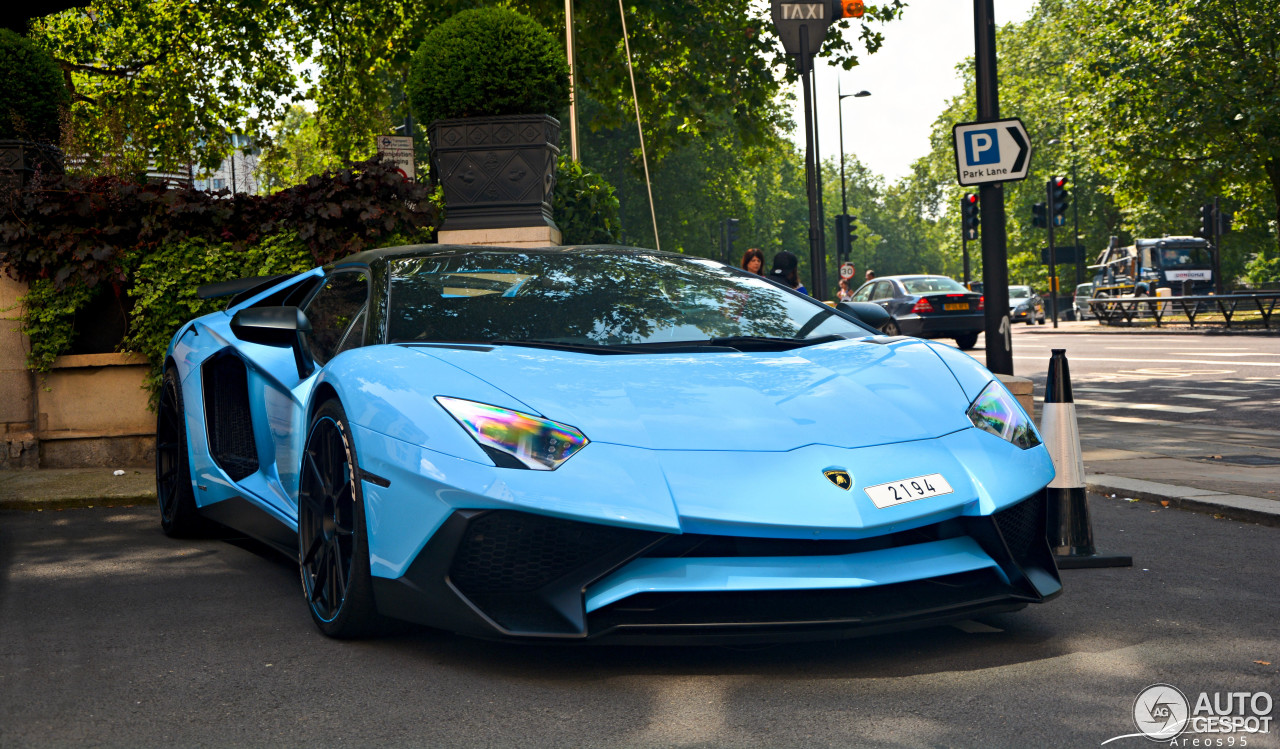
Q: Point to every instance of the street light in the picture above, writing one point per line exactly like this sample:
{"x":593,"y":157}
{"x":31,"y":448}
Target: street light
{"x":844,"y":203}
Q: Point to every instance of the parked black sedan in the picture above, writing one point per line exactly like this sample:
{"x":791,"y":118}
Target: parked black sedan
{"x":927,"y":307}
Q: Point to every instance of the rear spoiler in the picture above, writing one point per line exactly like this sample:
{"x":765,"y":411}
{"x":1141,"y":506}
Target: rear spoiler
{"x":241,"y":288}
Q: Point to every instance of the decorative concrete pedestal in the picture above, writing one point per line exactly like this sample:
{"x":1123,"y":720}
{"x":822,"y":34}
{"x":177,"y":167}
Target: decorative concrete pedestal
{"x":17,"y":387}
{"x":519,"y":236}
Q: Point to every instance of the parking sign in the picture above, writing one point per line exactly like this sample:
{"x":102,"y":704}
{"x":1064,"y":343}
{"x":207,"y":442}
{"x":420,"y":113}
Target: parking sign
{"x":991,"y":152}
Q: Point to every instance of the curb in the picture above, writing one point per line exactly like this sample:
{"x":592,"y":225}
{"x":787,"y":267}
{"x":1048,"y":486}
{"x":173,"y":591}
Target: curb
{"x":1231,"y":506}
{"x":38,"y":504}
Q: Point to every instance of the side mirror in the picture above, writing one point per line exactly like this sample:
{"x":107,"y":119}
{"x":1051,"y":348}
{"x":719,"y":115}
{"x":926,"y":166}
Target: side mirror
{"x":870,"y":314}
{"x":276,"y":326}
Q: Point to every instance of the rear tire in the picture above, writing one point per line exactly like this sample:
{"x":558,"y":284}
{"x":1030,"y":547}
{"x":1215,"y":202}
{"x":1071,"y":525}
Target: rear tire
{"x":179,"y":516}
{"x":891,"y":328}
{"x":333,"y":543}
{"x":967,"y":341}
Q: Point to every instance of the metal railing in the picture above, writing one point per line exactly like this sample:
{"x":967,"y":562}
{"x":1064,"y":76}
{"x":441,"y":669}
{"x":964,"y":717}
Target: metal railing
{"x":1116,"y":309}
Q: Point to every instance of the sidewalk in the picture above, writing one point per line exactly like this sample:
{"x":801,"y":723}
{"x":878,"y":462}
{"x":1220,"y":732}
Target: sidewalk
{"x":1181,"y":474}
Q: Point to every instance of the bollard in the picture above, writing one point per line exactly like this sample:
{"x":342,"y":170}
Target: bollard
{"x":1070,"y":531}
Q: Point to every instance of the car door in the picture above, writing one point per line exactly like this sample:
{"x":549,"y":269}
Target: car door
{"x":883,"y":295}
{"x":337,"y":311}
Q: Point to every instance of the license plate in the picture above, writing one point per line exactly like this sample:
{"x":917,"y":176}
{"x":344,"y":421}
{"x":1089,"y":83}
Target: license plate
{"x":952,"y":307}
{"x":907,"y":490}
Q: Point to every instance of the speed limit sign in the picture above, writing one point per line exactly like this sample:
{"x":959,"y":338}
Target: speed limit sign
{"x":846,"y":270}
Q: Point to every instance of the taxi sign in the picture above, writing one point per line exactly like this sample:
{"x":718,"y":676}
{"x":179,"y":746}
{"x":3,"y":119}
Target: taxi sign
{"x":989,"y":152}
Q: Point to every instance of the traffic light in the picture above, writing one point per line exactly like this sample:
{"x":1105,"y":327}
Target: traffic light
{"x":1206,"y":221}
{"x":1224,"y":221}
{"x":1059,"y":201}
{"x":969,"y":218}
{"x":846,"y":233}
{"x":1038,"y":217}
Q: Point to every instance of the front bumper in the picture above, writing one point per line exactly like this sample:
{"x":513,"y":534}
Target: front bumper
{"x":515,"y":575}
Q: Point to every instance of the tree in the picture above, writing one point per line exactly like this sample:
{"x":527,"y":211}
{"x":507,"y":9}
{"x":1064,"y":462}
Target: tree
{"x":169,"y":80}
{"x":1185,"y":91}
{"x":32,"y":100}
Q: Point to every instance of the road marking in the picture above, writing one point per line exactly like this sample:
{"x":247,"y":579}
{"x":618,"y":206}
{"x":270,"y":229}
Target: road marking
{"x":1102,"y":390}
{"x":1144,"y":406}
{"x":1211,"y":397}
{"x":1164,"y":361}
{"x":1127,"y":419}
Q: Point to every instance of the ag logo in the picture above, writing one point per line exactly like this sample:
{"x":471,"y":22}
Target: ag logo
{"x":839,"y":478}
{"x":1161,"y":712}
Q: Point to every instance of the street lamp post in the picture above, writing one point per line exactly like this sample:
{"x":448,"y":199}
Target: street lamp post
{"x":844,"y":203}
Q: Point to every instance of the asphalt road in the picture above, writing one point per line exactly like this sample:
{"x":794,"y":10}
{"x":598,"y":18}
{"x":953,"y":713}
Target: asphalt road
{"x":113,"y":635}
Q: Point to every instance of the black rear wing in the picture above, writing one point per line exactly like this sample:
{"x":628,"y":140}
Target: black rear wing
{"x":241,"y":288}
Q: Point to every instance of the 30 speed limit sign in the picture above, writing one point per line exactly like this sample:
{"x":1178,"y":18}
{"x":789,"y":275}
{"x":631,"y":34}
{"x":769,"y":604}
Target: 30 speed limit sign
{"x":846,"y":270}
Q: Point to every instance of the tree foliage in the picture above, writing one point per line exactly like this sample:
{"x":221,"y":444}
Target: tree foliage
{"x":32,"y":98}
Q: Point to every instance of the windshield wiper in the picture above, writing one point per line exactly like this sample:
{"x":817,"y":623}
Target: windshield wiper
{"x":778,"y":343}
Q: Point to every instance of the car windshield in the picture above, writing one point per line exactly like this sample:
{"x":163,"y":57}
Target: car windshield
{"x":931,"y":285}
{"x":594,"y":298}
{"x":1019,"y":292}
{"x":1183,"y":257}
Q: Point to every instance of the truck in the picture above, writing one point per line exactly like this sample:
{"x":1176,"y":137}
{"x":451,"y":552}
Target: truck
{"x":1184,"y":265}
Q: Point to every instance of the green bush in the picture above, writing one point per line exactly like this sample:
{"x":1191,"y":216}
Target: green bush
{"x":586,"y":207}
{"x":1263,"y":271}
{"x":164,"y":288}
{"x":487,"y":62}
{"x":32,"y":96}
{"x":48,"y":319}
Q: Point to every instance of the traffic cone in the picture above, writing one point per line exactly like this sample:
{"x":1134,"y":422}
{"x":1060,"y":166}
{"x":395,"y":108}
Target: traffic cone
{"x":1070,"y":531}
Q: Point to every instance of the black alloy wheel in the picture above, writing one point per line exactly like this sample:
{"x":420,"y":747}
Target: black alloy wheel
{"x":179,"y":516}
{"x":333,"y":549}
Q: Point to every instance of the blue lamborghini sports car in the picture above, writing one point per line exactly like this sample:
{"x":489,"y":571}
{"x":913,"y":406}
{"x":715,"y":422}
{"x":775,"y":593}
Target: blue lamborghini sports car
{"x":598,"y":443}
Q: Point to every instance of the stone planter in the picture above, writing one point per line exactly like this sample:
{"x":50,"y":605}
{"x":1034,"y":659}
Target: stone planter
{"x":22,"y":159}
{"x":497,"y":172}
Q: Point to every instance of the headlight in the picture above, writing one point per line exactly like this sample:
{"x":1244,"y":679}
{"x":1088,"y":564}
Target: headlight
{"x":513,"y":439}
{"x":996,"y":411}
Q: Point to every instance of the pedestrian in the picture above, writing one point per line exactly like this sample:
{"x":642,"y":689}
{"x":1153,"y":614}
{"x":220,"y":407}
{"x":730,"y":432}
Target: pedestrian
{"x":753,"y":261}
{"x":785,"y":266}
{"x":870,"y":274}
{"x":846,"y":293}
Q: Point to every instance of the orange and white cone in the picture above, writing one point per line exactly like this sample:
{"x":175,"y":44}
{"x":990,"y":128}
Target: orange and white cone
{"x":1070,"y":530}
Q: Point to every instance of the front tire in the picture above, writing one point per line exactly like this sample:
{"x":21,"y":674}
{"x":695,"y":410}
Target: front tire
{"x":967,"y":341}
{"x":179,"y":517}
{"x":333,"y":545}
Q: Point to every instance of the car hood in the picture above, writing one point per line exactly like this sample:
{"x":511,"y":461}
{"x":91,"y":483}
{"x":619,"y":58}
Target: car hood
{"x":852,"y":393}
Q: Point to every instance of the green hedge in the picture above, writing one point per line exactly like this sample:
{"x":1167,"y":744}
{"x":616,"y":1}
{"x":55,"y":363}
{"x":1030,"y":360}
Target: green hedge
{"x":487,"y":62}
{"x":585,"y":205}
{"x":165,"y":283}
{"x":32,"y":96}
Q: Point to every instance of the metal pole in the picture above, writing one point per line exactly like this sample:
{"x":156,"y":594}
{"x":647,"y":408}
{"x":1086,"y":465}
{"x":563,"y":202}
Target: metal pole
{"x":1075,"y":211}
{"x":820,"y":292}
{"x":844,"y":202}
{"x":995,"y":261}
{"x":964,"y":248}
{"x":573,"y":94}
{"x":815,"y":222}
{"x":1053,"y":253}
{"x":1217,"y":248}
